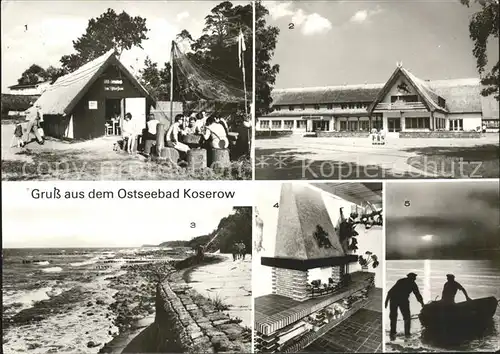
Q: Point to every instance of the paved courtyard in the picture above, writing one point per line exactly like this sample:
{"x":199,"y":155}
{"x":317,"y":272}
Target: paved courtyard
{"x":298,"y":157}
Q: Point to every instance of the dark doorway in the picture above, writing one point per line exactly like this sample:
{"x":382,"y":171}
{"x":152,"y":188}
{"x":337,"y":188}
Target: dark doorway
{"x":394,"y":125}
{"x":113,"y":115}
{"x":321,"y":125}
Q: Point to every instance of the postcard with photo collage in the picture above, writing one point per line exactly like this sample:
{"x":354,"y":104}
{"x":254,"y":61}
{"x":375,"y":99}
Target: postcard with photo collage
{"x":250,"y":176}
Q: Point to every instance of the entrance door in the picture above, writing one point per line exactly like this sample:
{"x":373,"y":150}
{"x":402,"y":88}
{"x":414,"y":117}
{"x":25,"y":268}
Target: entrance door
{"x":113,"y":114}
{"x":394,"y":125}
{"x":137,"y":107}
{"x":322,"y":125}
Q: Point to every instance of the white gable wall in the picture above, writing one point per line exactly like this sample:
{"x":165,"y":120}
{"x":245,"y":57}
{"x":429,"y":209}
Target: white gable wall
{"x":470,"y":120}
{"x":395,"y":91}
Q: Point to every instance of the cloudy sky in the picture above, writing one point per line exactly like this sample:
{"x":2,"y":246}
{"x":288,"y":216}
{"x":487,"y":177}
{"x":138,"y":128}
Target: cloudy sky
{"x":111,"y":224}
{"x":40,"y":32}
{"x":443,"y":220}
{"x":353,"y":42}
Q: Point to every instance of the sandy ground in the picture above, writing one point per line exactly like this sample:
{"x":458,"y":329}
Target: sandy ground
{"x":101,"y":145}
{"x":96,"y":160}
{"x":393,"y":155}
{"x":229,"y":280}
{"x":92,"y":159}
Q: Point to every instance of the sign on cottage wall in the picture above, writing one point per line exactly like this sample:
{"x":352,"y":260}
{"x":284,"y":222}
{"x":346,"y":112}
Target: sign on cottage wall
{"x":92,"y":104}
{"x":113,"y":85}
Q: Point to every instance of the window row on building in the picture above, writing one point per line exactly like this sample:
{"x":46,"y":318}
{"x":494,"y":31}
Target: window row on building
{"x":318,"y":107}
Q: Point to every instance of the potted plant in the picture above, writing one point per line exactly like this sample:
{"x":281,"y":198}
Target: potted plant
{"x":366,"y":259}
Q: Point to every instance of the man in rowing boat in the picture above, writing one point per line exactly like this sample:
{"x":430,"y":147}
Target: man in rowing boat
{"x":399,"y":297}
{"x":450,"y":289}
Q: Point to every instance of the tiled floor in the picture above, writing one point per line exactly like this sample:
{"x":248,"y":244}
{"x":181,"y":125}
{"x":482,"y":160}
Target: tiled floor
{"x":276,"y":310}
{"x":360,"y":333}
{"x":375,"y":300}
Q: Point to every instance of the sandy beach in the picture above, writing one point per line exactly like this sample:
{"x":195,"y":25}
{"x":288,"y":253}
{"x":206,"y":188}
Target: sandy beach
{"x":229,"y":281}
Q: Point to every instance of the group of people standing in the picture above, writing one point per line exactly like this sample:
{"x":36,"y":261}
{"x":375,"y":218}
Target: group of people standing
{"x":211,"y":129}
{"x":377,"y":136}
{"x":239,"y":251}
{"x":210,"y":132}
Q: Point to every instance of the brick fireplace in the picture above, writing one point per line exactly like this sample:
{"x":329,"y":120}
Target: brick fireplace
{"x":305,"y":239}
{"x":339,"y":274}
{"x":295,"y":283}
{"x":290,"y":283}
{"x":290,"y":277}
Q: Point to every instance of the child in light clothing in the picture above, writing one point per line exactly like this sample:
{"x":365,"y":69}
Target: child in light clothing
{"x":128,"y":133}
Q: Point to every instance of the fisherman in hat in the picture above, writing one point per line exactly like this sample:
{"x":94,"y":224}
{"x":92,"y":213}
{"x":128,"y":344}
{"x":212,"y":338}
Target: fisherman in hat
{"x":450,"y":289}
{"x":399,"y":297}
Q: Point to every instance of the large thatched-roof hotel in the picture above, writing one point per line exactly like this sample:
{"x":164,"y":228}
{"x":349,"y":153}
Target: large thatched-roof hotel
{"x":404,"y":103}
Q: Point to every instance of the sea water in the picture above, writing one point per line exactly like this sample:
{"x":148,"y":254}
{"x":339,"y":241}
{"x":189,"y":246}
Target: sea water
{"x":480,"y":278}
{"x":75,"y":294}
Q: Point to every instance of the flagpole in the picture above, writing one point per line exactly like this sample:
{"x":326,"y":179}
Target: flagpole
{"x":172,"y":84}
{"x":242,"y":62}
{"x":245,"y":88}
{"x":242,"y":49}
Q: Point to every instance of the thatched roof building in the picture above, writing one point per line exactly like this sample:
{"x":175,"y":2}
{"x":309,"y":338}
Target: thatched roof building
{"x":79,"y":104}
{"x":403,"y":97}
{"x":63,"y":95}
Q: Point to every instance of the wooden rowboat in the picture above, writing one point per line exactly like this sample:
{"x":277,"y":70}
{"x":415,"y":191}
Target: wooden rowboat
{"x":440,"y":315}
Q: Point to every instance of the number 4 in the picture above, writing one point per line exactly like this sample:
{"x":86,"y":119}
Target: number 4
{"x":276,"y":205}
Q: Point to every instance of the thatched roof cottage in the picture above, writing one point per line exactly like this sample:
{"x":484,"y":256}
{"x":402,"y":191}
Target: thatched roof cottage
{"x":78,"y":105}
